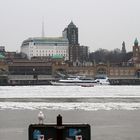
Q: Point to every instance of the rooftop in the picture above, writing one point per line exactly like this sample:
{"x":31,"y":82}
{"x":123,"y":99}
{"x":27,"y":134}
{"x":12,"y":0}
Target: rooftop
{"x":46,"y":40}
{"x":136,"y":42}
{"x":71,"y":25}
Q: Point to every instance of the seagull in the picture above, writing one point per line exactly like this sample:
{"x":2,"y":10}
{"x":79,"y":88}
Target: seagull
{"x":41,"y":117}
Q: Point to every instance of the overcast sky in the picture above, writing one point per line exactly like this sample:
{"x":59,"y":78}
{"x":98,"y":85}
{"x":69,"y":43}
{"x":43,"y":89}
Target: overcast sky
{"x":101,"y":23}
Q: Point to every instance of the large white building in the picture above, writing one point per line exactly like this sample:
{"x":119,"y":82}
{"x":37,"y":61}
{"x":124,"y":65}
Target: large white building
{"x":46,"y":46}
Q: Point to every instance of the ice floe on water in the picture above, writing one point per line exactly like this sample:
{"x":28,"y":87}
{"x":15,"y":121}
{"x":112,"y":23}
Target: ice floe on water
{"x":70,"y":106}
{"x":69,"y":91}
{"x":70,"y":98}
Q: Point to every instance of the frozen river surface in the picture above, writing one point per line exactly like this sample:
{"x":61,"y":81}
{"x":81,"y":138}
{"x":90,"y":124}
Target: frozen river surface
{"x":112,"y":111}
{"x":70,"y":97}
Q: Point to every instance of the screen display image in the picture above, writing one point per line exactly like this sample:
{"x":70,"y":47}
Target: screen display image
{"x":52,"y":132}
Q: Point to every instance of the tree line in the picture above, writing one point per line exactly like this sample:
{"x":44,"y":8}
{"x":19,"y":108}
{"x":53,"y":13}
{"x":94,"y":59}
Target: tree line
{"x":113,"y":56}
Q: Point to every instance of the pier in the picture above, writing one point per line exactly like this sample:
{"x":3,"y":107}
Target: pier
{"x":124,"y":81}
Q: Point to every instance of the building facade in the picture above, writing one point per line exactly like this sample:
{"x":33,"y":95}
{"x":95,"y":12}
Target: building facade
{"x":22,"y":72}
{"x":74,"y":53}
{"x":84,"y":53}
{"x":45,"y":47}
{"x":71,"y":32}
{"x":77,"y":53}
{"x":2,"y":48}
{"x":136,"y":51}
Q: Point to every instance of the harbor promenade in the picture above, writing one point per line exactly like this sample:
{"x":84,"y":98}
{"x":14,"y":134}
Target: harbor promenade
{"x":105,"y":125}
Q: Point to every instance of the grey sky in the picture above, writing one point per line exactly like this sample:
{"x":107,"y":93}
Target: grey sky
{"x":101,"y":23}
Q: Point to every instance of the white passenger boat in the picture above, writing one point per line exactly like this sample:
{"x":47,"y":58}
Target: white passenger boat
{"x":103,"y":80}
{"x":75,"y":82}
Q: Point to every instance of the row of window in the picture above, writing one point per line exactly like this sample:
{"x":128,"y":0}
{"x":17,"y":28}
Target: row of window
{"x":31,"y":54}
{"x":125,"y":71}
{"x":121,"y":72}
{"x":29,"y":71}
{"x":62,"y":51}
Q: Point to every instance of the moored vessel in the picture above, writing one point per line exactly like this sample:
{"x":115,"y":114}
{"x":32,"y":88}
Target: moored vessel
{"x":75,"y":81}
{"x":103,"y":80}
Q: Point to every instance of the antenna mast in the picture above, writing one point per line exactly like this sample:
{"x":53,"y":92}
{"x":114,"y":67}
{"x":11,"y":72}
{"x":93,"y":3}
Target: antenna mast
{"x":43,"y":33}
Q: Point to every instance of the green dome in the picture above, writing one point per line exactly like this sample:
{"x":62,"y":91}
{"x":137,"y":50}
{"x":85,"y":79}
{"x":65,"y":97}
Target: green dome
{"x":136,"y":42}
{"x":57,"y":56}
{"x":1,"y":56}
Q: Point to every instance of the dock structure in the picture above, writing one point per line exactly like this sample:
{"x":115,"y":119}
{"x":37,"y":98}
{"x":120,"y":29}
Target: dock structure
{"x":124,"y":81}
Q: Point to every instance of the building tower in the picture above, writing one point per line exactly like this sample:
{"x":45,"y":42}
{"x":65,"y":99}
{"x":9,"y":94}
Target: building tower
{"x":71,"y":32}
{"x":136,"y":50}
{"x":123,"y":48}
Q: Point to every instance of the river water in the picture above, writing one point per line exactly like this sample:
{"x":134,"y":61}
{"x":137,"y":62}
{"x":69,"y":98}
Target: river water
{"x":70,"y":97}
{"x":112,"y":111}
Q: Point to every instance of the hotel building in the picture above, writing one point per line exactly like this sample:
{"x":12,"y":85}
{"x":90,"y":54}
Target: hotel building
{"x":46,"y":47}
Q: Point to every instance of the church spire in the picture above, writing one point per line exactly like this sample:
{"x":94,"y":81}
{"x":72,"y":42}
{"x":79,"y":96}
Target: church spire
{"x":136,"y":42}
{"x":123,"y":48}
